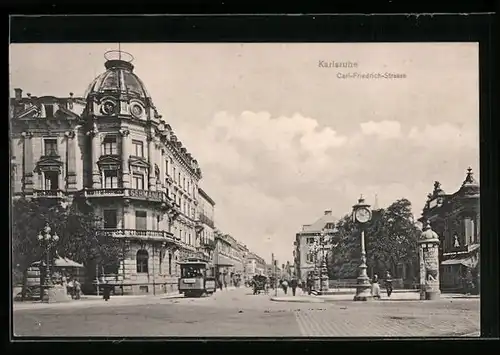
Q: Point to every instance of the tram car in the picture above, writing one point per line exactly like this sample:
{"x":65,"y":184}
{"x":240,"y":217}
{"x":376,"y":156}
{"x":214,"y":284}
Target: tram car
{"x":197,"y":279}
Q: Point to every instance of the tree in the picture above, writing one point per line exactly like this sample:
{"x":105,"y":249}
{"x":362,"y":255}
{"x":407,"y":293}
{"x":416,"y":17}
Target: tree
{"x":390,"y":237}
{"x":77,"y":228}
{"x":346,"y":250}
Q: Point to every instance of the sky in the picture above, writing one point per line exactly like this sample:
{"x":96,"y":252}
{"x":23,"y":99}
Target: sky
{"x":281,"y":138}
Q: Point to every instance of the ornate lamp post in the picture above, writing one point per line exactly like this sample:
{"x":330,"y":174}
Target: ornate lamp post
{"x":47,"y":240}
{"x":315,"y":250}
{"x":428,"y":250}
{"x":324,"y":271}
{"x":361,"y":215}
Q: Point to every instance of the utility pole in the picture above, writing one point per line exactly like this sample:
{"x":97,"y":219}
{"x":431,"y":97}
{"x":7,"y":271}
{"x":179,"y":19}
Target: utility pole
{"x":273,"y":261}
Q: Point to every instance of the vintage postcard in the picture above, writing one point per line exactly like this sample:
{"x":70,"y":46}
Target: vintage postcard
{"x":245,"y":189}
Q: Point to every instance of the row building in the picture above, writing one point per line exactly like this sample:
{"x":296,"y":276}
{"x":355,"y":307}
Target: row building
{"x":113,"y":153}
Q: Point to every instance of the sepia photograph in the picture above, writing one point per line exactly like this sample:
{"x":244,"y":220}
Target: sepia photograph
{"x":245,"y":189}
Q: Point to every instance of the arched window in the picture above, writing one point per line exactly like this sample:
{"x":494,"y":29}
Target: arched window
{"x":142,"y":261}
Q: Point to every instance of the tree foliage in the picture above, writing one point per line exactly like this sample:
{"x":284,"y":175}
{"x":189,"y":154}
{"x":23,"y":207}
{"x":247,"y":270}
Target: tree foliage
{"x":390,"y":238}
{"x":77,"y":228}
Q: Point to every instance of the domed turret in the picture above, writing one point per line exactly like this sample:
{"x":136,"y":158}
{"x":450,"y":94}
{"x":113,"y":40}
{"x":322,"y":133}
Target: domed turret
{"x":470,"y":186}
{"x":428,"y":234}
{"x":119,"y":91}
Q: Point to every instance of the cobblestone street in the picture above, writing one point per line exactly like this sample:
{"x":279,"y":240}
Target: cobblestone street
{"x":239,"y":313}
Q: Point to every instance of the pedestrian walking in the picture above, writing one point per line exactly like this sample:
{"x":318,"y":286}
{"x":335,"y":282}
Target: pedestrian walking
{"x":106,"y":292}
{"x":309,"y":284}
{"x":78,"y":289}
{"x":388,"y":283}
{"x":375,"y":287}
{"x":293,"y":285}
{"x":284,"y":285}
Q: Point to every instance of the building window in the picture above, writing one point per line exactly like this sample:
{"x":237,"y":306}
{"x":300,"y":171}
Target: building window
{"x":138,"y":148}
{"x":141,"y":220}
{"x":109,"y":145}
{"x":179,"y":178}
{"x":142,"y":259}
{"x":469,"y":231}
{"x":110,"y":218}
{"x":173,"y":173}
{"x":51,"y":180}
{"x":167,"y":167}
{"x":310,"y":240}
{"x":138,"y":181}
{"x":184,"y":183}
{"x":50,"y":147}
{"x":157,"y":222}
{"x":169,"y":263}
{"x":110,"y":179}
{"x":49,"y":110}
{"x":189,"y":240}
{"x":310,"y":257}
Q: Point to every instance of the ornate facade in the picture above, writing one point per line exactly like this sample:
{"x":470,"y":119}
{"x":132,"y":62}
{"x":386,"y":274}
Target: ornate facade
{"x":456,"y":219}
{"x":113,"y":151}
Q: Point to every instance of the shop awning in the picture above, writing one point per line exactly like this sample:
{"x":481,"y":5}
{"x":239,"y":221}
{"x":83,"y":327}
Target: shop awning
{"x":468,"y":262}
{"x":65,"y":262}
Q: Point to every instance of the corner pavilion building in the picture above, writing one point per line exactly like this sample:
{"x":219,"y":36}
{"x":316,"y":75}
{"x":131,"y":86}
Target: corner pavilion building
{"x":111,"y":150}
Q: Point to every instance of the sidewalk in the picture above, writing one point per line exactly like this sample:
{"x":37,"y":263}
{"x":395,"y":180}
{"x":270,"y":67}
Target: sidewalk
{"x":93,"y":300}
{"x":343,"y":296}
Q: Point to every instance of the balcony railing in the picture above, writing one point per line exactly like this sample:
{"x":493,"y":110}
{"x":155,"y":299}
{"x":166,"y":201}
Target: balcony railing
{"x":47,"y":193}
{"x":158,"y":196}
{"x":143,"y":234}
{"x":205,"y":220}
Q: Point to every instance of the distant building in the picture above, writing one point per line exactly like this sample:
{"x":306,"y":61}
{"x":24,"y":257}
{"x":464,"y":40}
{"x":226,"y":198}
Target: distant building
{"x":304,"y":258}
{"x":456,"y":219}
{"x":255,"y":265}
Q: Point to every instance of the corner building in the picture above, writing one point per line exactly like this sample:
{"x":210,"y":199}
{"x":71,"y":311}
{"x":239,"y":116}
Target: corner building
{"x":456,"y":219}
{"x":111,"y":150}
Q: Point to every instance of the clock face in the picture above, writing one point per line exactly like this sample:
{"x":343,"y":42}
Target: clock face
{"x":362,"y":215}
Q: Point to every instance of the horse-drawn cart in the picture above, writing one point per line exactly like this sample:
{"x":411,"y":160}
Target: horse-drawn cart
{"x":259,"y":284}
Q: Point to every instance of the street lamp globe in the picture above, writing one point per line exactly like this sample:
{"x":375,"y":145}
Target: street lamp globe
{"x":47,"y":229}
{"x":47,"y":237}
{"x":40,"y":237}
{"x":55,"y":237}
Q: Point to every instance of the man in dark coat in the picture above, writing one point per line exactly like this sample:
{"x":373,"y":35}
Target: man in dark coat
{"x":106,"y":291}
{"x":293,"y":285}
{"x":388,"y":283}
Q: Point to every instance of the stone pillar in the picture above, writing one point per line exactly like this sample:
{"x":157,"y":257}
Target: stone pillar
{"x":161,"y":163}
{"x":151,"y":177}
{"x":28,"y":163}
{"x":96,"y":153}
{"x":71,"y":161}
{"x":428,"y":245}
{"x":125,"y":155}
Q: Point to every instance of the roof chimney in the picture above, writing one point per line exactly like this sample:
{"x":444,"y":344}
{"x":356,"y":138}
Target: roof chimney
{"x":328,"y":212}
{"x":18,"y":93}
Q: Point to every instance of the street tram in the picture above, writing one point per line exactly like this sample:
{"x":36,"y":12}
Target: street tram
{"x":197,"y":279}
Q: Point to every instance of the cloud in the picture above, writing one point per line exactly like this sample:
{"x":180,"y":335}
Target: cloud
{"x":269,"y":175}
{"x":382,"y":129}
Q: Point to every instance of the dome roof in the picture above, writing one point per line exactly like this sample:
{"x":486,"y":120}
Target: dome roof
{"x":428,"y":233}
{"x":118,"y":78}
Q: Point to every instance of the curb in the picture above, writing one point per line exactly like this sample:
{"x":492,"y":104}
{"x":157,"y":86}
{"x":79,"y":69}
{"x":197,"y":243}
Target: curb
{"x":297,"y":300}
{"x":86,"y":302}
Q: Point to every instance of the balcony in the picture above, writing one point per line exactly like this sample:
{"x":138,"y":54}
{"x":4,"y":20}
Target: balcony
{"x":141,"y":234}
{"x":136,"y":194}
{"x":53,"y":194}
{"x":207,"y":221}
{"x":207,"y":244}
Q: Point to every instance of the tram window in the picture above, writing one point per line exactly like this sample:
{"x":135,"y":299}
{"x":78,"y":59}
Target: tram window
{"x":190,"y":271}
